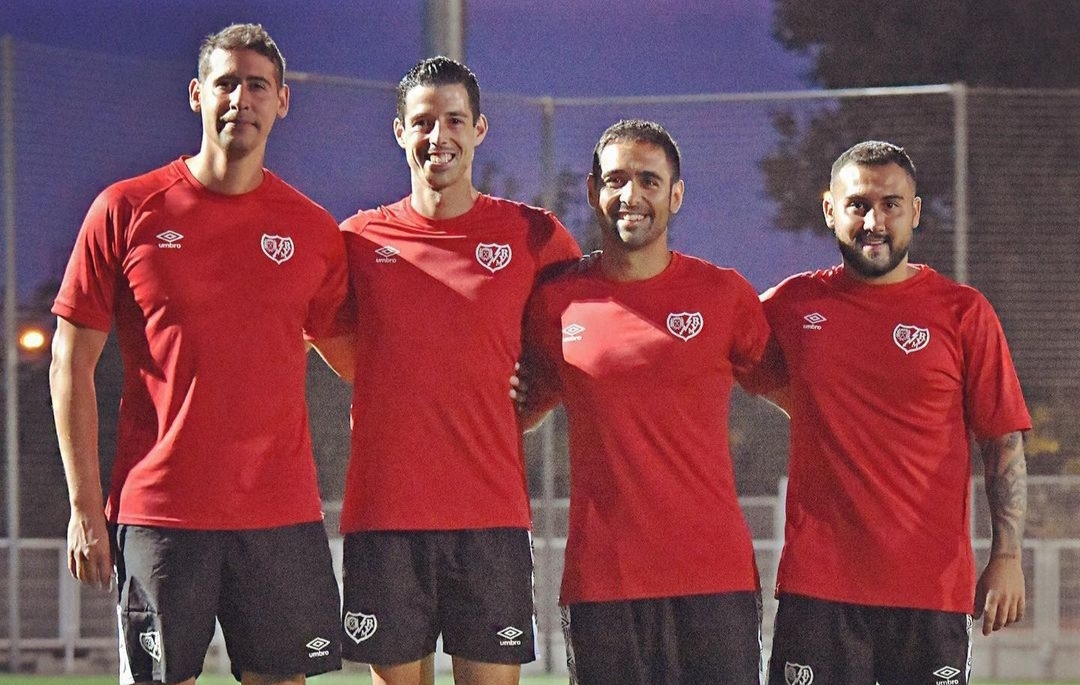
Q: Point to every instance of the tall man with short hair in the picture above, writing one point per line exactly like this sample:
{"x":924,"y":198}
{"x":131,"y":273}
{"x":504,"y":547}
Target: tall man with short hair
{"x":436,"y":512}
{"x":642,"y":345}
{"x":889,"y":368}
{"x":211,"y":268}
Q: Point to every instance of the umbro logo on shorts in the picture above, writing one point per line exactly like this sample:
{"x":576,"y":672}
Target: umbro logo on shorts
{"x":318,"y":647}
{"x":510,"y":636}
{"x":948,"y":675}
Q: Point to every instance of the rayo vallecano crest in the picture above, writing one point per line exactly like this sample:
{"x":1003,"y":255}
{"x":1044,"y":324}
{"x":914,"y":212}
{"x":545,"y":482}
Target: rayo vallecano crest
{"x":151,"y":643}
{"x":797,"y":674}
{"x":360,"y":626}
{"x":910,"y":338}
{"x":685,"y":325}
{"x":278,"y":248}
{"x":493,"y":256}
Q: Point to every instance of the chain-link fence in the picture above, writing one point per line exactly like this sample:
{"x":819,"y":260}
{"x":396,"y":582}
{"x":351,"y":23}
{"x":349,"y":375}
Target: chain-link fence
{"x":998,"y":174}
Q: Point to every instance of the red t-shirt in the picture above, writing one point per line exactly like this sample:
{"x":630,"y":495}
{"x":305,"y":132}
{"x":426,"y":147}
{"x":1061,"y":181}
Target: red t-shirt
{"x":210,"y":295}
{"x":887,"y":383}
{"x":437,"y":312}
{"x":645,"y":370}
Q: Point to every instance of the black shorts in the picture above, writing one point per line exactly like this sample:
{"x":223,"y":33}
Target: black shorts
{"x":273,"y":591}
{"x":404,"y":588}
{"x":819,"y":641}
{"x":689,"y":640}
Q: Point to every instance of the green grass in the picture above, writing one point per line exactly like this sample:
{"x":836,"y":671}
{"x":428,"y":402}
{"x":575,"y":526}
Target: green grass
{"x":353,"y":678}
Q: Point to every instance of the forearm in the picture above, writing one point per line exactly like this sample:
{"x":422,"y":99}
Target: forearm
{"x":1006,"y":492}
{"x":74,"y":400}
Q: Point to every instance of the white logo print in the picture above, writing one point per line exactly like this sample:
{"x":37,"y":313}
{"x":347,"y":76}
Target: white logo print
{"x":797,"y":674}
{"x":359,"y":626}
{"x":493,"y":256}
{"x":948,"y":675}
{"x":151,"y":643}
{"x":386,"y":254}
{"x":509,"y":636}
{"x":814,"y":321}
{"x":318,"y":647}
{"x":278,"y":248}
{"x":685,"y":325}
{"x":572,"y":333}
{"x":910,"y":338}
{"x":170,"y":239}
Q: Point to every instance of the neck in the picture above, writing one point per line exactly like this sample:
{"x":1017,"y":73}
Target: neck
{"x":620,"y":264}
{"x":442,"y":204}
{"x":902,"y":272}
{"x":218,"y":173}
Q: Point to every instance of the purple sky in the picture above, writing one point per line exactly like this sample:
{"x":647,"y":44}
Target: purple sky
{"x":538,"y":47}
{"x":561,"y":48}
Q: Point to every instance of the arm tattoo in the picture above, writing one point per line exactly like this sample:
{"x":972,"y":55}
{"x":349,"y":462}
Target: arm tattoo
{"x":1006,"y":490}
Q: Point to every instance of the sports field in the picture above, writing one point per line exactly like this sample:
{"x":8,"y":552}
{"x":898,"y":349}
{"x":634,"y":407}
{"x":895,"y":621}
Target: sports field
{"x":330,"y":679}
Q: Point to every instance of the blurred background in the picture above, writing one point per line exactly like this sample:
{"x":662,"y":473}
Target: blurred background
{"x":762,"y":95}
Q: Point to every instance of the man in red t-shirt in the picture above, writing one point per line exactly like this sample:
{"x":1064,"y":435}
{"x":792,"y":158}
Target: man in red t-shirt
{"x":436,"y":513}
{"x":643,"y":345}
{"x":211,"y":269}
{"x":887,"y":368}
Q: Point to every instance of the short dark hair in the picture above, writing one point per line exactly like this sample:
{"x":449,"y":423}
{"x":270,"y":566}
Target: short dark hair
{"x":639,"y":131}
{"x":874,"y":153}
{"x":242,"y":37}
{"x":439,"y":71}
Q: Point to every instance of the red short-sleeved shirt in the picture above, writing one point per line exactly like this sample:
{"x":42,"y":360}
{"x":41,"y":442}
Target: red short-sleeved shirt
{"x":887,"y":384}
{"x":645,"y":370}
{"x":210,"y":295}
{"x":437,"y":308}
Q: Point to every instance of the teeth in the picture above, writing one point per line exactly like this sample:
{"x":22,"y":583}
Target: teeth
{"x":441,"y":158}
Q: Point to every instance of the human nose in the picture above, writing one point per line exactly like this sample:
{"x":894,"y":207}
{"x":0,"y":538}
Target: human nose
{"x":436,"y":133}
{"x":629,"y":193}
{"x":238,"y":97}
{"x":874,"y":220}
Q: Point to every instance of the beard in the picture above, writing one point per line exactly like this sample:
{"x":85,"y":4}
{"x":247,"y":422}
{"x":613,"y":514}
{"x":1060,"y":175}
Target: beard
{"x":855,"y":260}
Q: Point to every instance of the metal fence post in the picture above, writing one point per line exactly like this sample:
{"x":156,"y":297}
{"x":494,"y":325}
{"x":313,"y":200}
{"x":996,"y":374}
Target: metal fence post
{"x":11,"y":350}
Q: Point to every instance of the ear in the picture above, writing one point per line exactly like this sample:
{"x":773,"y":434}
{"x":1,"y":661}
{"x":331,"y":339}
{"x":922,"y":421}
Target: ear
{"x":677,"y":196}
{"x":481,"y":129}
{"x":594,"y":194}
{"x":283,"y":102}
{"x":193,"y":95}
{"x":399,"y":133}
{"x":918,"y":212}
{"x":827,"y":209}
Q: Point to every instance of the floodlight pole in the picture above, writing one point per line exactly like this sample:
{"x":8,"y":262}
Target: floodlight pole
{"x":11,"y":349}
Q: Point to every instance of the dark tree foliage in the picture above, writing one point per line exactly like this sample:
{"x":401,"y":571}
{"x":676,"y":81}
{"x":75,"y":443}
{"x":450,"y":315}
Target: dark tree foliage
{"x":876,"y":43}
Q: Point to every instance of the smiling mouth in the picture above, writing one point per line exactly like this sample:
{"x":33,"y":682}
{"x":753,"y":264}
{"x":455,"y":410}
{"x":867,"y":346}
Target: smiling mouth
{"x":440,"y":158}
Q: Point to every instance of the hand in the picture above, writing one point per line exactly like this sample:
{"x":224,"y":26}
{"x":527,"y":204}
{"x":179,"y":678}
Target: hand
{"x":90,"y":558}
{"x":999,"y":594}
{"x":519,"y":388}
